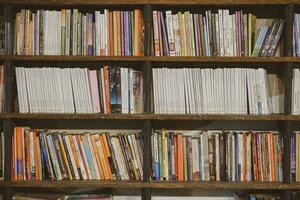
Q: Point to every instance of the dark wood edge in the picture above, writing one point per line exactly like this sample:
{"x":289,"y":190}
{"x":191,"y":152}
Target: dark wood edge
{"x":153,"y":184}
{"x":151,"y":59}
{"x":152,"y":2}
{"x":150,"y":117}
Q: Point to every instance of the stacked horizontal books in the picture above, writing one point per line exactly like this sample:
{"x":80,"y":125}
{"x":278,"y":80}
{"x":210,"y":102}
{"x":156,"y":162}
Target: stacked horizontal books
{"x":216,"y":155}
{"x":110,"y":89}
{"x":215,"y":34}
{"x":71,"y":32}
{"x":257,"y":197}
{"x":1,"y":155}
{"x":296,"y":35}
{"x":76,"y":154}
{"x":216,"y":91}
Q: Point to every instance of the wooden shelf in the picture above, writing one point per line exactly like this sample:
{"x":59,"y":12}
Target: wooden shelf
{"x":72,"y":184}
{"x":154,"y":2}
{"x":157,"y":59}
{"x":180,"y":117}
{"x":154,"y":185}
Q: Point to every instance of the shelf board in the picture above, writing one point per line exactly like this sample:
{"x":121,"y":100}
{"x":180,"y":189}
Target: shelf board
{"x":72,"y":184}
{"x":190,"y":59}
{"x":158,"y":117}
{"x":154,"y":185}
{"x":153,"y":2}
{"x":73,"y":58}
{"x":156,"y":59}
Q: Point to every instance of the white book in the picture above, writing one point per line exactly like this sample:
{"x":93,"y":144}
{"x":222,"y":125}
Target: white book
{"x":97,"y":31}
{"x":155,"y":91}
{"x":132,"y":103}
{"x":106,"y":32}
{"x":124,"y":90}
{"x":73,"y":74}
{"x":22,"y":91}
{"x":74,"y":32}
{"x":88,"y":166}
{"x":81,"y":166}
{"x":176,"y":33}
{"x":156,"y":33}
{"x":70,"y":152}
{"x":217,"y":155}
{"x":186,"y":89}
{"x":68,"y":32}
{"x":88,"y":82}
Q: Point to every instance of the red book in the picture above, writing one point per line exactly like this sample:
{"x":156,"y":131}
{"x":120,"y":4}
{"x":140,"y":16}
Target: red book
{"x":180,"y":157}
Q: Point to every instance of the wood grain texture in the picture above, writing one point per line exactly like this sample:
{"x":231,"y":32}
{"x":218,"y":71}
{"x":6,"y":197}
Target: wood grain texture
{"x":150,"y":117}
{"x":156,"y":59}
{"x":137,"y":184}
{"x":153,"y":2}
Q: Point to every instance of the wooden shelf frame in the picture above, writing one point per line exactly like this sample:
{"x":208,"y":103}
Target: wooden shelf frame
{"x":147,"y":62}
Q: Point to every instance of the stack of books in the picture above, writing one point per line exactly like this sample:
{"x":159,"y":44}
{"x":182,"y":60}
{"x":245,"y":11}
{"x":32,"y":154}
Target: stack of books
{"x":217,"y":155}
{"x":71,"y":32}
{"x":295,"y":156}
{"x":215,"y":34}
{"x":110,"y":89}
{"x":216,"y":91}
{"x":76,"y":154}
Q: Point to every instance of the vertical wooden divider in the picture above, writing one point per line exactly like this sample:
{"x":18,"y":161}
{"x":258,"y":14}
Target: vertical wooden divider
{"x":288,"y":75}
{"x":147,"y":128}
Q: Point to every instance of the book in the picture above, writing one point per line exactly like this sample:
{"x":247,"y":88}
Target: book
{"x":216,"y":91}
{"x":76,"y":154}
{"x":206,"y":151}
{"x":79,"y":90}
{"x":78,"y":33}
{"x":214,"y":33}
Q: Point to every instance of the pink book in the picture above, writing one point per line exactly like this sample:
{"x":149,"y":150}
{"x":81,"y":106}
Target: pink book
{"x":94,"y":91}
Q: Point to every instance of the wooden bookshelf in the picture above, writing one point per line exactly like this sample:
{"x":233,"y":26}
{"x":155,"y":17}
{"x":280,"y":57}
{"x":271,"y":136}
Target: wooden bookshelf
{"x":146,"y":120}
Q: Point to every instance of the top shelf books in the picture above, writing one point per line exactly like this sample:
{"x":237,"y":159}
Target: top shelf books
{"x":221,"y":32}
{"x":71,"y":32}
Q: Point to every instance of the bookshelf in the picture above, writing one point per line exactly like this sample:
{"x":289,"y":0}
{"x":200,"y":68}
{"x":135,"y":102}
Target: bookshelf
{"x":286,"y":122}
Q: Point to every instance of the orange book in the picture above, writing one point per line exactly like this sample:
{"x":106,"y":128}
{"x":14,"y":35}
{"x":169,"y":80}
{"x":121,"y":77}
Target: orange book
{"x":107,"y":175}
{"x":79,"y":141}
{"x":18,"y":42}
{"x":106,"y":85}
{"x":19,"y":153}
{"x":106,"y":153}
{"x":115,"y":33}
{"x":118,"y":33}
{"x":176,"y":156}
{"x":180,"y":157}
{"x":36,"y":162}
{"x":27,"y":146}
{"x":259,"y":150}
{"x":254,"y":157}
{"x":75,"y":155}
{"x":138,"y":33}
{"x":272,"y":158}
{"x":111,"y":35}
{"x":96,"y":153}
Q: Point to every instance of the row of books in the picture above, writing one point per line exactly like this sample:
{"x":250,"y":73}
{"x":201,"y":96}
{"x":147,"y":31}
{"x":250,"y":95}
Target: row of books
{"x":214,"y":34}
{"x":71,"y":32}
{"x":1,"y":155}
{"x":110,"y":89}
{"x":216,"y":91}
{"x":216,"y":155}
{"x":76,"y":154}
{"x":257,"y":197}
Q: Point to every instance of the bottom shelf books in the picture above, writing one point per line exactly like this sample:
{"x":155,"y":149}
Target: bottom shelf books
{"x":257,"y":197}
{"x":77,"y":154}
{"x":216,"y":155}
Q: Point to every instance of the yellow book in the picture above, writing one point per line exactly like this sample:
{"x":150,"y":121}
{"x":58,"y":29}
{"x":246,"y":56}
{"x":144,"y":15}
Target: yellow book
{"x":251,"y":32}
